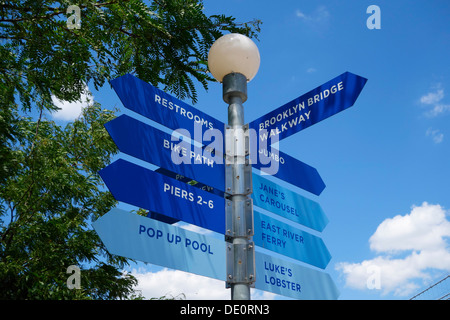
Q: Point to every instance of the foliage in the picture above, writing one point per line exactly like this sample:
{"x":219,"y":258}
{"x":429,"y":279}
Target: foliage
{"x":165,"y":42}
{"x":50,"y":190}
{"x":47,"y":206}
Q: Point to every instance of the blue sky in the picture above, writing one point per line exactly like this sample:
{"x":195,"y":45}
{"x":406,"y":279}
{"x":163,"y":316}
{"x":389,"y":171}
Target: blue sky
{"x":385,"y":161}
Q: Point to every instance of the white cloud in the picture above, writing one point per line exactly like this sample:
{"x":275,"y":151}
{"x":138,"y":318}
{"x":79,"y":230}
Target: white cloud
{"x":437,"y":110}
{"x":432,"y":97}
{"x":300,"y":14}
{"x":179,"y":284}
{"x":71,"y":110}
{"x":174,"y":283}
{"x":432,"y":101}
{"x":425,"y":228}
{"x":311,"y":70}
{"x":437,"y":136}
{"x":413,"y":245}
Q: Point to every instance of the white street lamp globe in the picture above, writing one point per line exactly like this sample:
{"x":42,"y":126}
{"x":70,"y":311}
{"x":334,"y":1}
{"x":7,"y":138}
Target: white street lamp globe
{"x":233,"y":53}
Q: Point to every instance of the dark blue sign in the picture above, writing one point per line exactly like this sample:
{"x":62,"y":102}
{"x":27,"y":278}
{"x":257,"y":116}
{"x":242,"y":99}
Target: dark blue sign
{"x":280,"y":237}
{"x":147,"y":189}
{"x":143,"y":98}
{"x":140,"y":238}
{"x":293,"y":171}
{"x":318,"y":104}
{"x":147,"y":143}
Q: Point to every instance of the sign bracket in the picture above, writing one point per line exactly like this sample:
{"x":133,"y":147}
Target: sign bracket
{"x":243,"y":226}
{"x":240,"y":264}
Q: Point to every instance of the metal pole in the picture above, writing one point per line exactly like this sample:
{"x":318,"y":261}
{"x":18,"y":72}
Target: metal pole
{"x":241,"y":277}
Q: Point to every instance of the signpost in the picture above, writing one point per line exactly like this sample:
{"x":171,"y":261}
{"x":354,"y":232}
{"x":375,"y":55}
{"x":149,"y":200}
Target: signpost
{"x":147,"y":189}
{"x":169,"y":197}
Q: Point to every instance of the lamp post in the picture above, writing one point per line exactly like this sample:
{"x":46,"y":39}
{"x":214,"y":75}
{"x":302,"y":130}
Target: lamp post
{"x":234,"y":60}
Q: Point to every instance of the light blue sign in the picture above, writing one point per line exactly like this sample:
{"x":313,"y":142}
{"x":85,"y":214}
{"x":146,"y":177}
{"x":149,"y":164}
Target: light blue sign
{"x":293,"y":280}
{"x":147,"y":143}
{"x":147,"y":189}
{"x":288,"y":204}
{"x":287,"y":240}
{"x":140,"y":238}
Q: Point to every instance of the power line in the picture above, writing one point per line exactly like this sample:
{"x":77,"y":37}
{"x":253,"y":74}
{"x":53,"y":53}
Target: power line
{"x":440,"y":289}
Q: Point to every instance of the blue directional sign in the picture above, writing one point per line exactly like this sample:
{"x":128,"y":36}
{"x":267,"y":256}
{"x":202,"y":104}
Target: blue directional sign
{"x":147,"y":189}
{"x":140,"y":238}
{"x":143,"y":98}
{"x":147,"y":143}
{"x":285,"y":239}
{"x":293,"y":280}
{"x":293,"y":171}
{"x":318,"y":104}
{"x":288,"y":204}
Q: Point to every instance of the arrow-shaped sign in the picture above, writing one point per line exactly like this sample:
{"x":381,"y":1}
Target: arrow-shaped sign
{"x":293,"y":171}
{"x":293,"y":280}
{"x":147,"y":189}
{"x":288,"y":204}
{"x":318,"y":104}
{"x":285,"y":239}
{"x":136,"y":237}
{"x":143,"y":98}
{"x":147,"y":143}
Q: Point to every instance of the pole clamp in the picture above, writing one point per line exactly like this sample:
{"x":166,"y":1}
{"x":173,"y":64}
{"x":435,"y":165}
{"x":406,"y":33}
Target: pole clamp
{"x":238,"y":170}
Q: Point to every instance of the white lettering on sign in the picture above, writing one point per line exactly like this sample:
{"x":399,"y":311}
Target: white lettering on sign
{"x":182,"y":111}
{"x":273,"y":156}
{"x":189,"y":196}
{"x":182,"y":153}
{"x":178,"y":192}
{"x":296,"y":114}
